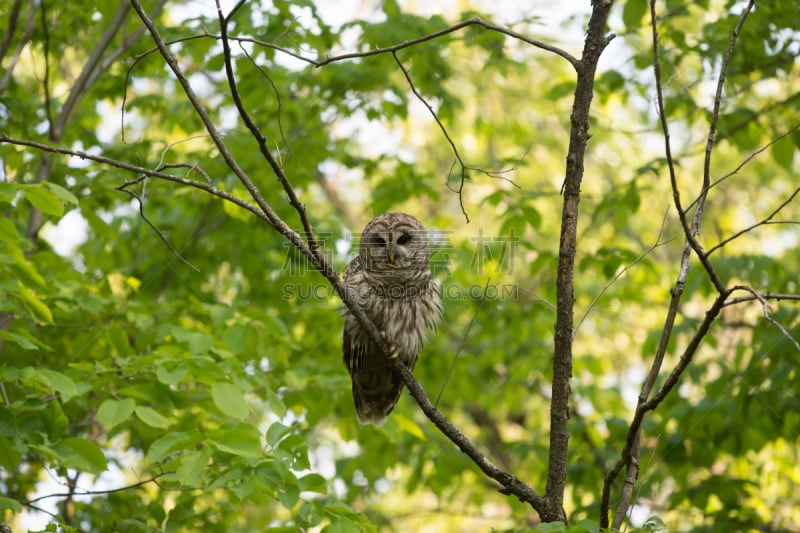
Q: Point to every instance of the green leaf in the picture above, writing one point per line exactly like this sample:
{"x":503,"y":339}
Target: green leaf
{"x":24,"y":268}
{"x":19,"y":340}
{"x":37,"y":308}
{"x":552,"y":527}
{"x":783,"y":153}
{"x":243,"y":440}
{"x":7,"y":192}
{"x":288,"y":495}
{"x":192,"y":465}
{"x":230,"y":400}
{"x":276,"y":432}
{"x":57,"y":381}
{"x":169,"y":443}
{"x":151,"y":417}
{"x":633,"y":12}
{"x":8,"y":231}
{"x":81,"y":454}
{"x":313,"y":483}
{"x":170,"y":372}
{"x":409,"y":426}
{"x":114,"y":412}
{"x":295,"y":449}
{"x":43,"y":199}
{"x":118,"y":339}
{"x":61,"y":192}
{"x":13,"y":505}
{"x":344,"y":525}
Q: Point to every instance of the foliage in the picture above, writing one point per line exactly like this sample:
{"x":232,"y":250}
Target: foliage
{"x":177,"y":368}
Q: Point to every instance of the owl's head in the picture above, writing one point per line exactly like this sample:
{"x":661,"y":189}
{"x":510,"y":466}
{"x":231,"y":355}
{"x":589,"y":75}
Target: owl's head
{"x":394,"y":241}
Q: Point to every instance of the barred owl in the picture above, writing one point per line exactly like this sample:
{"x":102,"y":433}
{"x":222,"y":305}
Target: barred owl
{"x":392,"y":282}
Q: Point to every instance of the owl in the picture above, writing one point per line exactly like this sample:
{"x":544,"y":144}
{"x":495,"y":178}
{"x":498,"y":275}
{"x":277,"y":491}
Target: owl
{"x":391,"y":281}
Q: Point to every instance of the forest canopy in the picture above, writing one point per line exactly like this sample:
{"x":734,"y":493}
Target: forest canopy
{"x":612,"y":198}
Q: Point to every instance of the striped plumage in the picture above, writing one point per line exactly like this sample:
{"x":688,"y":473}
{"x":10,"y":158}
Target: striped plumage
{"x":392,"y":282}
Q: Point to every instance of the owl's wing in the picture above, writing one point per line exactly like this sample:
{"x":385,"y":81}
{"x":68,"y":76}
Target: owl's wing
{"x":376,"y":390}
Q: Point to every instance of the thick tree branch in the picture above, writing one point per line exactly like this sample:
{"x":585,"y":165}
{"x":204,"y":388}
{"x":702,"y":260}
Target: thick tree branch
{"x":595,"y":43}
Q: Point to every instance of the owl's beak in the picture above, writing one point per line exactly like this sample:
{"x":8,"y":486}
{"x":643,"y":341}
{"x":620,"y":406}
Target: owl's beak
{"x":391,"y":254}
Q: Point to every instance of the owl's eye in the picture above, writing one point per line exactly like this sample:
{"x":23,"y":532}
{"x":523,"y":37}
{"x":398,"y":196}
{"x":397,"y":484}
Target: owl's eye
{"x":405,"y":238}
{"x":378,"y":241}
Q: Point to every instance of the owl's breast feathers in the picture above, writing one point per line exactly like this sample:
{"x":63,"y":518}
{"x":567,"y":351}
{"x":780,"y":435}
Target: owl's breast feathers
{"x":404,"y":306}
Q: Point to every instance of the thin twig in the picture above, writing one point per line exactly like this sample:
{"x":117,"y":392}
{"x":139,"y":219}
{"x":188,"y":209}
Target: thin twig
{"x":763,"y":296}
{"x":622,"y":272}
{"x":476,"y":21}
{"x":497,"y":174}
{"x":140,"y":199}
{"x":766,"y":221}
{"x":748,"y":159}
{"x":153,"y":479}
{"x":767,"y":309}
{"x":461,"y":345}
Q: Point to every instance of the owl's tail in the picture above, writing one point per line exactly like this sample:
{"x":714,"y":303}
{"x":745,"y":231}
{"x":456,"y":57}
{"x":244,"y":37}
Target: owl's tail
{"x":376,"y":389}
{"x":373,"y":404}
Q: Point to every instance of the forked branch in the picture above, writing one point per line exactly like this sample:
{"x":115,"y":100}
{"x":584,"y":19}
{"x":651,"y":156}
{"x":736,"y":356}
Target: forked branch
{"x":629,"y":457}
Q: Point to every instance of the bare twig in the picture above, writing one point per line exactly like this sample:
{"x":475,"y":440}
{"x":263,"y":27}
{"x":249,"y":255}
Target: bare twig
{"x":461,"y":345}
{"x":621,"y":272}
{"x":497,"y":174}
{"x":140,"y":198}
{"x":763,"y":222}
{"x":444,"y":132}
{"x":747,"y":160}
{"x":762,"y":296}
{"x":455,"y":27}
{"x":75,"y":492}
{"x":767,"y":309}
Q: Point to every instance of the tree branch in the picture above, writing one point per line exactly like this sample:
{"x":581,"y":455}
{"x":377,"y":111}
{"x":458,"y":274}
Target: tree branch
{"x":256,"y":133}
{"x":476,"y":21}
{"x":621,"y":272}
{"x":23,"y":40}
{"x":595,"y":43}
{"x":748,"y":159}
{"x":763,"y":222}
{"x":767,"y":309}
{"x":74,"y":492}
